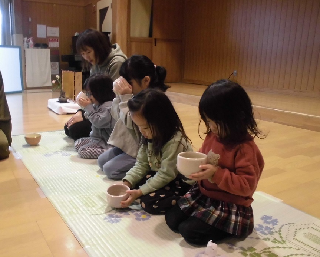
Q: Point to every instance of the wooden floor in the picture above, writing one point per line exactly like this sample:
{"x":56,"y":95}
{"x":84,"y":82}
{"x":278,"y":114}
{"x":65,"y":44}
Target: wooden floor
{"x":30,"y":226}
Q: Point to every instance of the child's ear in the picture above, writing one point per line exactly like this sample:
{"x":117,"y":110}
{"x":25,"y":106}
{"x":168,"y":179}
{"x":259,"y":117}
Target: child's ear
{"x":146,"y":81}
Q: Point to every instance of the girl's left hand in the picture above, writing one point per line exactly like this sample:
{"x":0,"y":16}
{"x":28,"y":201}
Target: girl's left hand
{"x":84,"y":101}
{"x":133,"y":195}
{"x":206,"y":172}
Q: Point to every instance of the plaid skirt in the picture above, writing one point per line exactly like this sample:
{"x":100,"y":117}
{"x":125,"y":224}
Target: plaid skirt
{"x":231,"y":218}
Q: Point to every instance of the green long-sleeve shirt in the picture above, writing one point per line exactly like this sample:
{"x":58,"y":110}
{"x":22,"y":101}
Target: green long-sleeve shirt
{"x":165,"y":166}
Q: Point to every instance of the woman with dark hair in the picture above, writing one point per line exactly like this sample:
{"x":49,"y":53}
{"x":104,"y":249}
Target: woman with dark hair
{"x":98,"y":111}
{"x":137,"y":73}
{"x":154,"y":178}
{"x":100,"y":57}
{"x":98,"y":54}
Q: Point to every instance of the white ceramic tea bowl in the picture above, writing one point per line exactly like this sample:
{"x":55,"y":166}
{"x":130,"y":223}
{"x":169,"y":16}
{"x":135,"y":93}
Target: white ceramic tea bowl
{"x":189,"y":162}
{"x":117,"y":193}
{"x":80,"y":95}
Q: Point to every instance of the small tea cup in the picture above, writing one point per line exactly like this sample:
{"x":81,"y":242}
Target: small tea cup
{"x":116,"y":194}
{"x":80,"y":95}
{"x":33,"y":139}
{"x":189,"y":162}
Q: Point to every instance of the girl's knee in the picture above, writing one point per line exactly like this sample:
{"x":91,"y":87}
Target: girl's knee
{"x":109,"y":173}
{"x":174,"y":217}
{"x":184,"y":230}
{"x":100,"y":163}
{"x":115,"y":176}
{"x":102,"y":160}
{"x":106,"y":167}
{"x":113,"y":173}
{"x":189,"y":235}
{"x":171,"y":221}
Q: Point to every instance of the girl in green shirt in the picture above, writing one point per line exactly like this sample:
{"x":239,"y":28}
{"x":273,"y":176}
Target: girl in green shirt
{"x":154,"y":179}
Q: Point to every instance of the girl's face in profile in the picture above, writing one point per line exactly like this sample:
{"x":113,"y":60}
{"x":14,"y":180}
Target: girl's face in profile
{"x":137,"y":86}
{"x":142,"y":124}
{"x":89,"y":55}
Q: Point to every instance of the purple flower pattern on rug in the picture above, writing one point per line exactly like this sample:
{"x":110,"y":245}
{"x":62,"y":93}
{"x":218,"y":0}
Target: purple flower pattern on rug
{"x":142,"y":216}
{"x":113,"y":218}
{"x":267,"y":228}
{"x":118,"y":215}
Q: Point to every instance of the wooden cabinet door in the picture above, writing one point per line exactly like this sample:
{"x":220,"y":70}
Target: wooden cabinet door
{"x":168,"y":19}
{"x":141,"y":46}
{"x":167,"y":37}
{"x":168,"y":54}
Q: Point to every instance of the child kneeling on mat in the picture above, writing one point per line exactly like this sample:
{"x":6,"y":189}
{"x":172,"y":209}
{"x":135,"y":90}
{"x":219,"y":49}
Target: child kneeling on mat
{"x":154,"y":178}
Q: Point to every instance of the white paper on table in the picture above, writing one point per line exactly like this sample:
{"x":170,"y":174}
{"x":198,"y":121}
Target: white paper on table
{"x":41,"y":31}
{"x":53,"y":31}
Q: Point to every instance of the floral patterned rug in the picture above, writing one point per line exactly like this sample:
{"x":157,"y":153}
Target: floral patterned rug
{"x":77,"y":189}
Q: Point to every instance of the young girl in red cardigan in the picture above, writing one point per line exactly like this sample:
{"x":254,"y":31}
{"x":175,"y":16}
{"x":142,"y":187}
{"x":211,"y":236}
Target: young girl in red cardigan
{"x":219,"y":205}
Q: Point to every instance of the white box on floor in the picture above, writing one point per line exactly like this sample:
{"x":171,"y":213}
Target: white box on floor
{"x":63,"y":108}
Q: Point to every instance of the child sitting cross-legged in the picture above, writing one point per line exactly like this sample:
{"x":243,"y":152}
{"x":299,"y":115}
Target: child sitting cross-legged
{"x":97,"y":107}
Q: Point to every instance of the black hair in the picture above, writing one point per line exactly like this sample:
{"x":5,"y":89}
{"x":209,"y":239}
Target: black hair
{"x":138,"y":66}
{"x":157,"y":109}
{"x":98,"y":42}
{"x":227,"y":104}
{"x":101,"y":87}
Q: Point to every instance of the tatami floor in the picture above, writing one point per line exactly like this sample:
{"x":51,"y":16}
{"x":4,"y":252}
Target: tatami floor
{"x":30,"y":226}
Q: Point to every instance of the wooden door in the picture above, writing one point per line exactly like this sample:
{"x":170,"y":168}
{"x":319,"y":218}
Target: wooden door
{"x":139,"y":38}
{"x":167,"y":37}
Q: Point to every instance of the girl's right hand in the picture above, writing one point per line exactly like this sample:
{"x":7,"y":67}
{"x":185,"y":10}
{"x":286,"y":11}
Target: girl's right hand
{"x":74,"y":119}
{"x":133,"y":195}
{"x":206,"y":172}
{"x":121,"y":86}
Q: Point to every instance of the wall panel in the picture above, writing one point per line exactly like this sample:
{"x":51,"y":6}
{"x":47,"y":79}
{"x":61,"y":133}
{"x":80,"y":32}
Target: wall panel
{"x":140,"y":46}
{"x":91,"y":15}
{"x":69,"y":19}
{"x":274,"y":45}
{"x":120,"y":23}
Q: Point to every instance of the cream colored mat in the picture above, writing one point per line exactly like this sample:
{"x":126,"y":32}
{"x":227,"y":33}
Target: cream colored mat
{"x":76,"y":188}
